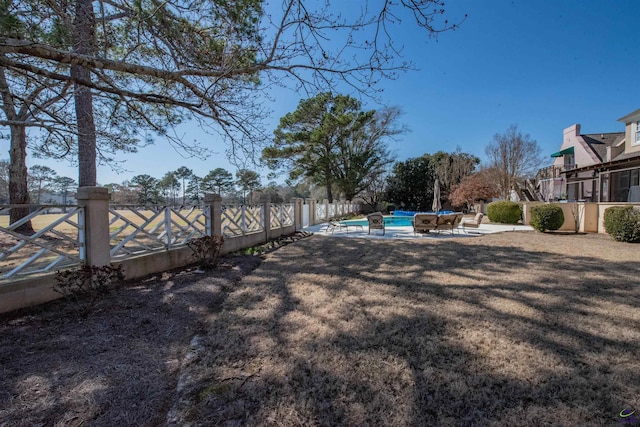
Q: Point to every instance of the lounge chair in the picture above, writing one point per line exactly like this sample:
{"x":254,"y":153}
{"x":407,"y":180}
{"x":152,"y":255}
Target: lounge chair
{"x":448,"y":222}
{"x":424,"y":222}
{"x":335,"y":225}
{"x":473,"y":223}
{"x":376,"y":222}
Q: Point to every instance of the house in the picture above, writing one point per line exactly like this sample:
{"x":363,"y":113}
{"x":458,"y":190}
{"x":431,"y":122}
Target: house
{"x":602,"y":167}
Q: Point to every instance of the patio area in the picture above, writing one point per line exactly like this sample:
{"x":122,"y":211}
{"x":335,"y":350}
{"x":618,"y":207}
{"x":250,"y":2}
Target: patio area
{"x":407,"y":232}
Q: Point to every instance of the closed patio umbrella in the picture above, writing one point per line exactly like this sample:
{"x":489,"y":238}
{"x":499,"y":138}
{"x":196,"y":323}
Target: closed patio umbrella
{"x":436,"y":206}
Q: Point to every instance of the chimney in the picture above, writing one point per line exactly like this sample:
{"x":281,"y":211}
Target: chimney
{"x":572,"y":131}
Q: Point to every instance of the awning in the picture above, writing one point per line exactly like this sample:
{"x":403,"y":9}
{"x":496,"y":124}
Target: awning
{"x":563,"y":152}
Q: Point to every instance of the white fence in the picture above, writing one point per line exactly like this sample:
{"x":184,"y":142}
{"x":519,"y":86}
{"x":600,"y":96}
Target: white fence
{"x":57,"y":241}
{"x":143,"y":239}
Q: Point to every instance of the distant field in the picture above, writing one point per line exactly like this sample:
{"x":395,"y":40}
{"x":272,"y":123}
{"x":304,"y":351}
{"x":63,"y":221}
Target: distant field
{"x":41,"y":221}
{"x":68,"y":246}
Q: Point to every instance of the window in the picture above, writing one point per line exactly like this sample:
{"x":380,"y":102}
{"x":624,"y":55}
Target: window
{"x":637,"y":132}
{"x":569,"y":161}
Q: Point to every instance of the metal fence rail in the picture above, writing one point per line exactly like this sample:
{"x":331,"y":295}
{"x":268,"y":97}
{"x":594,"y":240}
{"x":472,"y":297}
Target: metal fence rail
{"x":58,"y":240}
{"x":135,"y":230}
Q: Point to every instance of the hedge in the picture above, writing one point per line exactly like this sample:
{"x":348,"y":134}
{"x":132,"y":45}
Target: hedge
{"x":622,"y":223}
{"x":546,"y":217}
{"x":505,"y":212}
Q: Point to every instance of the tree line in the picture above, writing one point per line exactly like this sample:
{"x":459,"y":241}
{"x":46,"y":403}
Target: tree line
{"x":331,"y":141}
{"x":331,"y":145}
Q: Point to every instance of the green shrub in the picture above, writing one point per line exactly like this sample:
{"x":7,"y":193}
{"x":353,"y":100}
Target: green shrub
{"x":622,"y":223}
{"x":504,"y":212}
{"x":546,"y":217}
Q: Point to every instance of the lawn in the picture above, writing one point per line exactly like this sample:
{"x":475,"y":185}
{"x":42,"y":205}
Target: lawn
{"x":504,"y":329}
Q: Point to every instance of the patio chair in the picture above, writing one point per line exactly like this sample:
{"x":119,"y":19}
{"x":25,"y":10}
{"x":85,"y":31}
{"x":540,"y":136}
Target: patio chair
{"x":424,"y":222}
{"x":376,"y":222}
{"x":473,"y":223}
{"x":448,"y":222}
{"x":335,"y":225}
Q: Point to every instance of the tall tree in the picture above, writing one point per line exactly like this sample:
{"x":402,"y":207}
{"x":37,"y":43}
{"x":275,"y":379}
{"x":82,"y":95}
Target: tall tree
{"x":248,"y":181}
{"x":4,"y":181}
{"x":169,"y":186}
{"x":146,"y":187}
{"x":63,"y":184}
{"x":330,"y":140}
{"x":377,"y":190}
{"x":24,"y":97}
{"x":41,"y":176}
{"x":162,"y":60}
{"x":513,"y":155}
{"x":183,"y":173}
{"x":122,"y":194}
{"x":194,"y":189}
{"x":410,"y":185}
{"x":217,"y":181}
{"x":451,"y":168}
{"x":271,"y":193}
{"x":364,"y":156}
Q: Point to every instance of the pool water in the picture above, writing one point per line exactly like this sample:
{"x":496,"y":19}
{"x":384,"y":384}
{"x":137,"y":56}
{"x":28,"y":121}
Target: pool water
{"x":389,"y":221}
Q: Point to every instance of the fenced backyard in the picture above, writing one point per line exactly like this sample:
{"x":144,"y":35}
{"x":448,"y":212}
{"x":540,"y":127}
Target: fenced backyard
{"x":505,"y":329}
{"x":144,"y":239}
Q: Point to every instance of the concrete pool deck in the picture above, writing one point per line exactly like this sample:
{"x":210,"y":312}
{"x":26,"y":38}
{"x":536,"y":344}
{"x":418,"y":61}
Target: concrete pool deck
{"x":407,"y":232}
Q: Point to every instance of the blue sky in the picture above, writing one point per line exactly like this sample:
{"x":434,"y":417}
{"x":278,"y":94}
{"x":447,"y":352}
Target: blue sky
{"x":543,"y":65}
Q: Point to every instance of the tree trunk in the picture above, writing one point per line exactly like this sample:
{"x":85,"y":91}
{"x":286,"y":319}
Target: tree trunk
{"x":18,"y":190}
{"x":329,"y":192}
{"x":83,"y":43}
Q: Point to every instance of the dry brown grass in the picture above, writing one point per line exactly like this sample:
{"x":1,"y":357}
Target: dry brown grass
{"x":497,"y":330}
{"x":505,"y":329}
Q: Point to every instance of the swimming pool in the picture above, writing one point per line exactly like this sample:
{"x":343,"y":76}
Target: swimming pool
{"x":389,"y":221}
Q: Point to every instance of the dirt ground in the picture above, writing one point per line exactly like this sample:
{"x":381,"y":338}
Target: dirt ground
{"x":504,"y":329}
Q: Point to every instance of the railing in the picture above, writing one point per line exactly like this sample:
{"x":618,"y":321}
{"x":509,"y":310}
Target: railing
{"x":549,"y":172}
{"x":67,"y":237}
{"x":57,"y":241}
{"x":282,"y":215}
{"x":325,"y":210}
{"x":242,"y":220}
{"x":134,"y":230}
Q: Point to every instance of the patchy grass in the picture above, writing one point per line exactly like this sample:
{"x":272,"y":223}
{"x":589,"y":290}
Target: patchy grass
{"x":503,"y":329}
{"x":496,"y":330}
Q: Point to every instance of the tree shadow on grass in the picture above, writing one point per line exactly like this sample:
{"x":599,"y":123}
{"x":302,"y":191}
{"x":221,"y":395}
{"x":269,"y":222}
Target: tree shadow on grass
{"x":119,"y":366}
{"x":348,"y":332}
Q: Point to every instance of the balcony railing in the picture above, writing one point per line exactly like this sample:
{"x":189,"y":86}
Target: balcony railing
{"x":554,"y":171}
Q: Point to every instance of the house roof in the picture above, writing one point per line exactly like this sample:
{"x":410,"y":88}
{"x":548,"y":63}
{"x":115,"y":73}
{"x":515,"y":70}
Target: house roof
{"x":624,"y":159}
{"x":626,"y":156}
{"x":630,"y":117}
{"x":598,"y":142}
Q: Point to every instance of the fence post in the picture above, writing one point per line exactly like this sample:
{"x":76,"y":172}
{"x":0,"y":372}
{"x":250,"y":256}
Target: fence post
{"x":214,"y":225}
{"x":267,"y":221}
{"x":95,"y":201}
{"x":299,"y":206}
{"x":326,"y":210}
{"x":312,"y":210}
